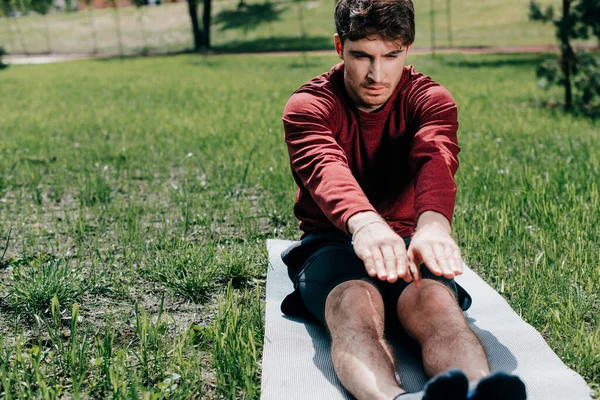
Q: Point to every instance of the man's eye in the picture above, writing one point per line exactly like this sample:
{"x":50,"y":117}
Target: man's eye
{"x":392,"y":56}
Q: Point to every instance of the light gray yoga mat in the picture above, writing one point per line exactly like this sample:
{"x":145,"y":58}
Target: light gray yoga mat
{"x":297,"y":363}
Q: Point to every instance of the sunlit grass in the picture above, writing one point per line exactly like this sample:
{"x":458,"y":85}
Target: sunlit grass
{"x":195,"y":177}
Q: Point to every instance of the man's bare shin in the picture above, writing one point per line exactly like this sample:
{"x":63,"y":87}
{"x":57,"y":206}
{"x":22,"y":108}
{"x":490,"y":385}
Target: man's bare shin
{"x":460,"y":350}
{"x":432,"y":317}
{"x":363,"y":361}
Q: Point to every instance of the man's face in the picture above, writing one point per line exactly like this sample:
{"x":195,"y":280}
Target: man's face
{"x":372,"y":69}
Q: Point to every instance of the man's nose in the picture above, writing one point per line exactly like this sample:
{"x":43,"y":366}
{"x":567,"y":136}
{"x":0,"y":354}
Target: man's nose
{"x":375,"y":72}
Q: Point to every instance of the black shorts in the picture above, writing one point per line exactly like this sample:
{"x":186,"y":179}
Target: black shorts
{"x":322,"y":261}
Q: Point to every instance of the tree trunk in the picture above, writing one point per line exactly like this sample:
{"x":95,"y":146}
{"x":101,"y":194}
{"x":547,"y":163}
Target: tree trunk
{"x":449,"y":22}
{"x":567,"y":56}
{"x":206,"y":14}
{"x":196,"y":32}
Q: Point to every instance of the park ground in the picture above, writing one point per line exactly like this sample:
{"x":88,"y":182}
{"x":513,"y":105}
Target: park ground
{"x":141,"y":193}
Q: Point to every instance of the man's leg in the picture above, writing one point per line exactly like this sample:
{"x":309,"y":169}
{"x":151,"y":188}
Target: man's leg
{"x":362,"y":359}
{"x":432,"y":316}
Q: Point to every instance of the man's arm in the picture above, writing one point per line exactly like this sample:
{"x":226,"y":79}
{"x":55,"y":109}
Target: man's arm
{"x":434,"y":162}
{"x":319,"y":161}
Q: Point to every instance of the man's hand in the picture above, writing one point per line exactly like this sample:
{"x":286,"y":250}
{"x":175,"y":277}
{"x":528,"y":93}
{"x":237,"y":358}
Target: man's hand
{"x":432,"y":245}
{"x":380,"y":248}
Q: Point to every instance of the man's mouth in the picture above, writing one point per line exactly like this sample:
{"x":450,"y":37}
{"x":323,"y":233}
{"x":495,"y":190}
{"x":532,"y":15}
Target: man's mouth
{"x":375,"y":89}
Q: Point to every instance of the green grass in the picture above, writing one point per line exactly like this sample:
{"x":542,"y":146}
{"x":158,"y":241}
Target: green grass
{"x":160,"y":180}
{"x":167,"y":27}
{"x":35,"y":283}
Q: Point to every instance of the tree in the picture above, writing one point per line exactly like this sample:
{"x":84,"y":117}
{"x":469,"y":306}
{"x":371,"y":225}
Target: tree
{"x":196,"y":31}
{"x":201,"y":36}
{"x":578,"y":20}
{"x":206,"y":22}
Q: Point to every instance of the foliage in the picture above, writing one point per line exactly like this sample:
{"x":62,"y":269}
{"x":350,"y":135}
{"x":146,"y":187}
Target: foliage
{"x":585,"y":79}
{"x":41,"y":6}
{"x":5,"y":8}
{"x":582,"y":18}
{"x":579,"y":19}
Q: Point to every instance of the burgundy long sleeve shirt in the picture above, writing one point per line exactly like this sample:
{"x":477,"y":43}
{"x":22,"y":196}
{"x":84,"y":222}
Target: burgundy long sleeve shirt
{"x":398,"y":161}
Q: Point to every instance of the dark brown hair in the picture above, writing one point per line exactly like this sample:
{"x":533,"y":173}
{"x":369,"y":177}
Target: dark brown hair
{"x":387,"y":19}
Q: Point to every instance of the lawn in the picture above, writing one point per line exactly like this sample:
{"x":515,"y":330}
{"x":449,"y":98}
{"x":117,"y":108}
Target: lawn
{"x":136,"y":197}
{"x":275,"y":26}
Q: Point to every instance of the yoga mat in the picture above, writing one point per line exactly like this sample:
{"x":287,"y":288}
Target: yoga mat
{"x":297,"y":364}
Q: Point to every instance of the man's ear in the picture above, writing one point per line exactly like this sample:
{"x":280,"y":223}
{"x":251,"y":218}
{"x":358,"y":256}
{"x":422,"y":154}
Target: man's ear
{"x":338,"y":46}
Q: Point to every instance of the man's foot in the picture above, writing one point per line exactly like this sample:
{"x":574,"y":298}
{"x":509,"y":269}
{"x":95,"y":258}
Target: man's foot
{"x":449,"y":385}
{"x":499,"y":386}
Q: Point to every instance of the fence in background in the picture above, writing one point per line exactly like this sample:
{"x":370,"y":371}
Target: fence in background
{"x":257,"y":25}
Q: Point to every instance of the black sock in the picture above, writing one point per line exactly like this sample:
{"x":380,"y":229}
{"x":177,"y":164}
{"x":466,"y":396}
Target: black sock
{"x":499,"y":386}
{"x":449,"y":385}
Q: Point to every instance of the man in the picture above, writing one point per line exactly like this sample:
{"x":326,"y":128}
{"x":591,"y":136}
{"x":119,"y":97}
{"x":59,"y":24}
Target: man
{"x":373,"y":150}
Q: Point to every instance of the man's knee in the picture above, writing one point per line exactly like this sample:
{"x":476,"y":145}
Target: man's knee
{"x":354,"y":302}
{"x":431,"y":303}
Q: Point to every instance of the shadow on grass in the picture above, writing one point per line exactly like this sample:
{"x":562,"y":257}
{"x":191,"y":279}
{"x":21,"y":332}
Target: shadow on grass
{"x":276,"y":44}
{"x":248,"y":16}
{"x":262,"y":45}
{"x":494,"y":61}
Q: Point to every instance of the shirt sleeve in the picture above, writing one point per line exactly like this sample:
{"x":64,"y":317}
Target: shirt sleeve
{"x":434,"y":150}
{"x":319,"y":161}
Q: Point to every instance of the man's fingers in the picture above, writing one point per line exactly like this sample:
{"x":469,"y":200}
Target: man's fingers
{"x":458,"y":261}
{"x":367,"y":258}
{"x":442,"y":260}
{"x":379,"y":264}
{"x":413,"y":265}
{"x":454,"y":259}
{"x":402,"y":262}
{"x":416,"y":274}
{"x":389,"y":260}
{"x":430,"y":261}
